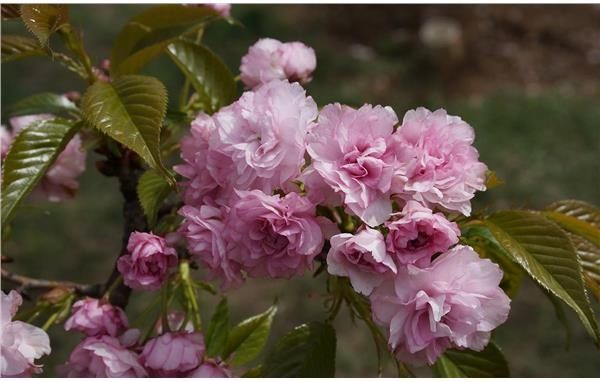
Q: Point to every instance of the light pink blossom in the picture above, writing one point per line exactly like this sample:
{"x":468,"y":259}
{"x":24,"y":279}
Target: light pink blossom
{"x":204,"y":232}
{"x":20,"y":343}
{"x":211,"y":368}
{"x":443,"y":169}
{"x":317,"y":190}
{"x":275,"y":236}
{"x":96,"y":317}
{"x":173,"y":354}
{"x":456,"y":302}
{"x":102,"y":357}
{"x":351,"y":150}
{"x":206,"y":169}
{"x":269,"y":59}
{"x":361,"y":257}
{"x":223,"y":9}
{"x":264,"y":134}
{"x":418,"y":233}
{"x":5,"y":141}
{"x":148,"y":262}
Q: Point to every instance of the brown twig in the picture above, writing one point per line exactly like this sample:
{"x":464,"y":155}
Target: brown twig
{"x":92,"y":290}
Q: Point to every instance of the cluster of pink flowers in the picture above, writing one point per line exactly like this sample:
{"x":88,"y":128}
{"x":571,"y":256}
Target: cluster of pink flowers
{"x":255,"y":172}
{"x":60,"y":181}
{"x":21,"y":344}
{"x":112,"y":350}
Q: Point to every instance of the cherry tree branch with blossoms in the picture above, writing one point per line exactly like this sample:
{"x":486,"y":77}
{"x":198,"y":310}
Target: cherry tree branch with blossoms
{"x":268,"y":185}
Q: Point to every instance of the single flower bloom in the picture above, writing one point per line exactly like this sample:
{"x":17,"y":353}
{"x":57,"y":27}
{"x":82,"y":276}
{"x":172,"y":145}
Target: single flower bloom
{"x":102,"y":357}
{"x":275,"y":236}
{"x":204,"y":232}
{"x":418,"y":234}
{"x":351,"y":150}
{"x":269,"y":59}
{"x":264,"y":134}
{"x":211,"y":368}
{"x":441,"y":166}
{"x":20,"y":343}
{"x":173,"y":354}
{"x":96,"y":317}
{"x":362,"y":258}
{"x":148,"y":262}
{"x":456,"y":302}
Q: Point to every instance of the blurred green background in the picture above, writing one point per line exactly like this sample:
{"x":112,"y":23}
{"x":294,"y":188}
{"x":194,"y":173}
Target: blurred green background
{"x":525,"y":77}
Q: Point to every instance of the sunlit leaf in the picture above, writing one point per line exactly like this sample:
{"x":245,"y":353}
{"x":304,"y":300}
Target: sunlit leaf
{"x":44,"y":19}
{"x":218,"y":330}
{"x":131,"y":110}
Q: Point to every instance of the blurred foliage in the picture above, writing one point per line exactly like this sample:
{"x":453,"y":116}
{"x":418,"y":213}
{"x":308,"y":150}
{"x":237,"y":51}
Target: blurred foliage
{"x":545,"y":146}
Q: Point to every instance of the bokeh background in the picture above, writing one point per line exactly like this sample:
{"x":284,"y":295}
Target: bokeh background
{"x":527,"y":78}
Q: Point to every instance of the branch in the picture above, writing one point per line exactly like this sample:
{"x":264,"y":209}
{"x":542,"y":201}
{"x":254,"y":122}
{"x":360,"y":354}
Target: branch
{"x":92,"y":290}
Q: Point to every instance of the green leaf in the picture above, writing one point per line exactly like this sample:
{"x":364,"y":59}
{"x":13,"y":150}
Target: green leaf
{"x":42,"y":103}
{"x":577,"y":209}
{"x":147,"y":34}
{"x":130,"y":110}
{"x":485,"y":244}
{"x":247,"y":339}
{"x":44,"y":19}
{"x":589,"y":255}
{"x":211,"y":78}
{"x":152,"y":189}
{"x":308,"y":351}
{"x":488,"y":363}
{"x":31,"y":154}
{"x":547,"y":255}
{"x":218,"y":330}
{"x":18,"y":47}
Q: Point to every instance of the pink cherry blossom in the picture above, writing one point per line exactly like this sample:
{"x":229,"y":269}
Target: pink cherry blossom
{"x":275,"y":236}
{"x":350,"y":149}
{"x":418,"y":233}
{"x":223,"y":9}
{"x":96,"y":317}
{"x":264,"y":134}
{"x":20,"y":343}
{"x":211,"y":368}
{"x":102,"y":357}
{"x":456,"y":302}
{"x":269,"y":59}
{"x":317,"y":190}
{"x":148,"y":262}
{"x":443,"y":169}
{"x":362,"y":258}
{"x":206,"y":169}
{"x":5,"y":141}
{"x":173,"y":354}
{"x":204,"y":230}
